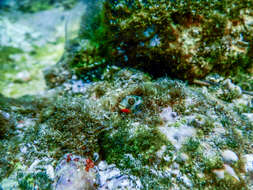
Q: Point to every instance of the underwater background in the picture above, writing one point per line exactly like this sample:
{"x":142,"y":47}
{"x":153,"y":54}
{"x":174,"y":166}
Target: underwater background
{"x":124,"y":94}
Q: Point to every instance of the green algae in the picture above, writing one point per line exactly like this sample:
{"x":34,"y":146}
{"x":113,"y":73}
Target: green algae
{"x":116,"y":146}
{"x":68,"y":118}
{"x":87,"y":52}
{"x":29,"y":181}
{"x":29,"y":66}
{"x":192,"y":145}
{"x":6,"y":61}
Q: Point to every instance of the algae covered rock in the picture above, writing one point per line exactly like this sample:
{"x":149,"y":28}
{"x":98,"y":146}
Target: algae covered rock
{"x":174,"y":137}
{"x":183,"y":39}
{"x":186,"y":40}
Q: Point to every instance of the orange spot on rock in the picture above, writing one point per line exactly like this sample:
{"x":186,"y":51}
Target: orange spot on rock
{"x":68,"y":157}
{"x":89,"y":164}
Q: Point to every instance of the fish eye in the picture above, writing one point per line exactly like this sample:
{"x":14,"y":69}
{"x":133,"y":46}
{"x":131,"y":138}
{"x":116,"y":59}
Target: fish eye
{"x":131,"y":101}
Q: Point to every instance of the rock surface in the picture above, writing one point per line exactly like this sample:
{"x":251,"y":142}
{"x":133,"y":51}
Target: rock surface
{"x":129,"y":129}
{"x":229,"y":156}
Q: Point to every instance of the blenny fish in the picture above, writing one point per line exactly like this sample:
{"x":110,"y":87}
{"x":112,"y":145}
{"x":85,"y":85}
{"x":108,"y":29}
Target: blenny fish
{"x":130,"y":104}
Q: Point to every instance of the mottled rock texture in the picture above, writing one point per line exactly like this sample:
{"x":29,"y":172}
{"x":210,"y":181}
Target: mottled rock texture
{"x":183,"y":39}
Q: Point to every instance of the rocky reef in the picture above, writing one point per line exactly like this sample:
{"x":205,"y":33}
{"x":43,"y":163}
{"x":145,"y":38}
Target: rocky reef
{"x":114,"y":116}
{"x":185,"y":40}
{"x":179,"y":136}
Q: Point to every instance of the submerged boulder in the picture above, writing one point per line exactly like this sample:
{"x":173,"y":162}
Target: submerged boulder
{"x":185,"y":40}
{"x":177,"y":38}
